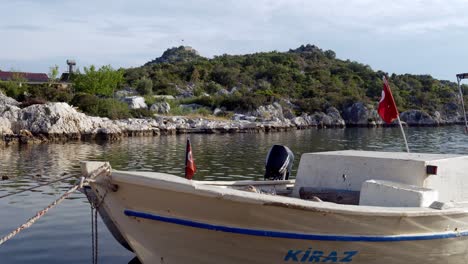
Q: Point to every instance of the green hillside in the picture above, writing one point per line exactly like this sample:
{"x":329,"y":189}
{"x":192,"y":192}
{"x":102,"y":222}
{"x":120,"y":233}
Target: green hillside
{"x":308,"y":76}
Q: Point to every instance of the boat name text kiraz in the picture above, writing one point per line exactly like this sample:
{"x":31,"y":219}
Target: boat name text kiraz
{"x":310,"y":255}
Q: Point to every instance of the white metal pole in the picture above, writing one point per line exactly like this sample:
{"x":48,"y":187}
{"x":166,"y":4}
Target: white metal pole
{"x":463,"y":104}
{"x":403,"y":132}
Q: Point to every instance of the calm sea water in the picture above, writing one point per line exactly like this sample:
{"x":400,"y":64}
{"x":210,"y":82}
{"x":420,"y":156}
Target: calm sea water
{"x":64,"y":235}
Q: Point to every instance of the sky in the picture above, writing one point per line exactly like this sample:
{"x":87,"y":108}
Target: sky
{"x":398,"y":36}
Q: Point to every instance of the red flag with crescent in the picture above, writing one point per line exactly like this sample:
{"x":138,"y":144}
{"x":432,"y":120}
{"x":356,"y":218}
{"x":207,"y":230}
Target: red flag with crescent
{"x":190,"y":167}
{"x":387,"y":107}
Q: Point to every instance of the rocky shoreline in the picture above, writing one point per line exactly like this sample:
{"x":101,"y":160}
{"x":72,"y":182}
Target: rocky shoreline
{"x":62,"y":122}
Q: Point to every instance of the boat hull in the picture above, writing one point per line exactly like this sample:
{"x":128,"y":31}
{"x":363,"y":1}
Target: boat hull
{"x":169,"y":242}
{"x":182,"y":222}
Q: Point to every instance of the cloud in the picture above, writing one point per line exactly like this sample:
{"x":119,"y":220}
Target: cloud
{"x":129,"y":33}
{"x":22,"y":27}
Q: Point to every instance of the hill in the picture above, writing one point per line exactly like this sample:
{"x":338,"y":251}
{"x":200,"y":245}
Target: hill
{"x":311,"y":78}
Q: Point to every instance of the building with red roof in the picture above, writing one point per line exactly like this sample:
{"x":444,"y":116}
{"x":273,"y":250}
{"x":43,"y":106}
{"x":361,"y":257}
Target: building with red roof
{"x":26,"y":77}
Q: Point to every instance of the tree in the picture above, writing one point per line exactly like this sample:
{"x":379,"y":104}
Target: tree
{"x":144,"y":86}
{"x":330,"y":54}
{"x":16,"y":87}
{"x":53,"y":72}
{"x":98,"y":82}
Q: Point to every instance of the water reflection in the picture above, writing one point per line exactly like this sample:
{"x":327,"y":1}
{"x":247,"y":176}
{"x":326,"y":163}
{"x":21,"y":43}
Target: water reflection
{"x":218,"y":157}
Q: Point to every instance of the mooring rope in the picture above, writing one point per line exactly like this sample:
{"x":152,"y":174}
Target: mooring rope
{"x":39,"y":214}
{"x":38,"y":186}
{"x":94,"y":205}
{"x":94,"y":235}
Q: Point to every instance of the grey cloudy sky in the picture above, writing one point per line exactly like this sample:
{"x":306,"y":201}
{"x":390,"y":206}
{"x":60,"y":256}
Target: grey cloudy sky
{"x":401,"y":36}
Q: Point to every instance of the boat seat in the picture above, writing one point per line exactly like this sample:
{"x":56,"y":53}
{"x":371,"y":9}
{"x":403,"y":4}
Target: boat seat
{"x":395,"y":194}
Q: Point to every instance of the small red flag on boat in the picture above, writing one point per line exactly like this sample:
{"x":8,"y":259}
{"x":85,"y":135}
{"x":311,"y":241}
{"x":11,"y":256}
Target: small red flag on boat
{"x":387,"y":107}
{"x":190,"y":167}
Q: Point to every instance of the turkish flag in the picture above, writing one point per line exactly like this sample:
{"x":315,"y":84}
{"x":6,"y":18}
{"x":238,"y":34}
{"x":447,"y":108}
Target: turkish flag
{"x":387,"y":107}
{"x":190,"y":167}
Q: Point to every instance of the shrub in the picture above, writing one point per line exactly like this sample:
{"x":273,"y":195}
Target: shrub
{"x":203,"y":111}
{"x":177,"y":110}
{"x":149,"y":99}
{"x":113,"y":109}
{"x":141,"y":113}
{"x":246,"y":103}
{"x":144,"y":86}
{"x":310,"y":105}
{"x":14,"y":89}
{"x":104,"y":107}
{"x":86,"y":102}
{"x":100,"y":82}
{"x":32,"y":101}
{"x":212,"y":87}
{"x":49,"y":93}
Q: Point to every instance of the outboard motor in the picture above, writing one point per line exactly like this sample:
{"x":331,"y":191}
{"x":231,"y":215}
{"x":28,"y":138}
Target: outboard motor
{"x":279,"y":163}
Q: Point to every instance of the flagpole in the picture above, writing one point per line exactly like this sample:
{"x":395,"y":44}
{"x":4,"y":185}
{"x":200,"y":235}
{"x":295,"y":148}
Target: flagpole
{"x":403,"y":133}
{"x":462,"y":103}
{"x":187,"y":142}
{"x":388,"y":110}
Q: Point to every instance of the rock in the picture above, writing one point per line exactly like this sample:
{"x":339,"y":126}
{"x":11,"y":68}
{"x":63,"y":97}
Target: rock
{"x":222,"y":92}
{"x":300,"y":122}
{"x":125,"y":92}
{"x":177,"y":54}
{"x":135,"y":102}
{"x":191,"y":107}
{"x":374,"y":118}
{"x":239,"y":117}
{"x":418,"y":118}
{"x":356,"y":115}
{"x":219,"y":112}
{"x":5,"y":126}
{"x":161,"y":108}
{"x":5,"y":100}
{"x":319,"y":119}
{"x":268,"y":112}
{"x":437,"y":116}
{"x":233,"y":90}
{"x":25,"y":136}
{"x":451,"y":113}
{"x":54,"y":118}
{"x":360,"y":115}
{"x":336,"y":119}
{"x":165,"y":97}
{"x":185,"y":94}
{"x":288,"y":113}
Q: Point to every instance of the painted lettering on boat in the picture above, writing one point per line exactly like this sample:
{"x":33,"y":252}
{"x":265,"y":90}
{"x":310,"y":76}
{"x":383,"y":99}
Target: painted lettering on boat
{"x":310,"y":255}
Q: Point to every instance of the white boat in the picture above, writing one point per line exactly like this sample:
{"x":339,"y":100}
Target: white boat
{"x":344,"y":206}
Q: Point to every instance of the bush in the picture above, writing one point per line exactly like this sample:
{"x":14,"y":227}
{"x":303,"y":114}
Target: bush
{"x":149,"y":100}
{"x":212,"y":87}
{"x":32,"y":101}
{"x":177,"y":110}
{"x":141,"y":113}
{"x":310,"y":105}
{"x":113,"y":109}
{"x":144,"y":86}
{"x":203,"y":111}
{"x":103,"y":107}
{"x":100,"y":82}
{"x":86,"y":102}
{"x":246,"y":103}
{"x":49,"y":93}
{"x":14,"y":89}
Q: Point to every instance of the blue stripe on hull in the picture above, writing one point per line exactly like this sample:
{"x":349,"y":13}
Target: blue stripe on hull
{"x":289,"y":235}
